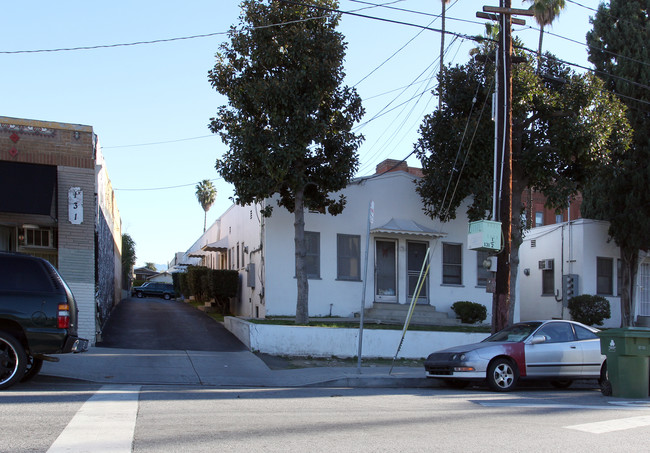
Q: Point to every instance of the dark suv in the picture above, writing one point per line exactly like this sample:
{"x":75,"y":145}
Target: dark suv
{"x":158,"y":289}
{"x":38,"y":316}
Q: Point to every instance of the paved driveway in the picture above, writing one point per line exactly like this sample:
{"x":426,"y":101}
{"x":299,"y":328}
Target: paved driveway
{"x":157,"y":324}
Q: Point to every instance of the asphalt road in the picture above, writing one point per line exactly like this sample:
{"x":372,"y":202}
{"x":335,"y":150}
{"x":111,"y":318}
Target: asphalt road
{"x":157,"y":324}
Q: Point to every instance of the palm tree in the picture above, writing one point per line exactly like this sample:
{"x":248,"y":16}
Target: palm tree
{"x":206,"y":194}
{"x":546,"y":11}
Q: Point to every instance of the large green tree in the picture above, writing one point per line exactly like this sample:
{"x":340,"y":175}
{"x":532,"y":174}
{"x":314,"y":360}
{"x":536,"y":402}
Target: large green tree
{"x":619,"y":193}
{"x":288,"y":120}
{"x":563,"y":125}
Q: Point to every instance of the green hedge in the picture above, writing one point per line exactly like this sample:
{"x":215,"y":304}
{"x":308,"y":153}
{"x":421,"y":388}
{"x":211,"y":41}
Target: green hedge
{"x":589,"y":310}
{"x":205,"y":284}
{"x":469,"y":312}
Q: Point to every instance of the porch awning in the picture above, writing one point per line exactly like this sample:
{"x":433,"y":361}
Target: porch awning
{"x":220,"y":246}
{"x":197,"y":254}
{"x":406,"y":226}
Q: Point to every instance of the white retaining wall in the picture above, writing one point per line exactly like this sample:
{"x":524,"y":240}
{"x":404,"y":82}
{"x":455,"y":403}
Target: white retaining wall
{"x":338,"y":342}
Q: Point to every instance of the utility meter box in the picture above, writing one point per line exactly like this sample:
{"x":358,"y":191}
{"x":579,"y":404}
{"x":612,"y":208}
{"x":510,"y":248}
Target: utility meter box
{"x":484,"y":235}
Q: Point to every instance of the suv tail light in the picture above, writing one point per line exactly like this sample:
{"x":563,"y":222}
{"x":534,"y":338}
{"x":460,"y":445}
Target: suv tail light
{"x":63,"y":316}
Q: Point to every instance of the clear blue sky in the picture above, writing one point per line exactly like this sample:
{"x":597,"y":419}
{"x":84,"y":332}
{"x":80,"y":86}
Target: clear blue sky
{"x":150,"y":104}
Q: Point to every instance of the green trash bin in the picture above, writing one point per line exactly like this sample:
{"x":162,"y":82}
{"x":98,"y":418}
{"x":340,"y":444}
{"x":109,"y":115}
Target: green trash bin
{"x":628,"y":360}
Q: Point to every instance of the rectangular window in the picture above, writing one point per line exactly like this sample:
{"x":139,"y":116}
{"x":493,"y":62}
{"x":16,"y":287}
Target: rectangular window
{"x":558,"y":218}
{"x":452,"y":265}
{"x":539,"y":218}
{"x":237,"y":255}
{"x":348,"y":260}
{"x":604,"y":276}
{"x":482,"y":274}
{"x":548,"y":281}
{"x":312,"y":258}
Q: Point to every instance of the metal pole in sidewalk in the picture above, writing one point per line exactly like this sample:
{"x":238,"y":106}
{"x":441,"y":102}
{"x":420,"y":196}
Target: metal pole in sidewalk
{"x":371,"y":219}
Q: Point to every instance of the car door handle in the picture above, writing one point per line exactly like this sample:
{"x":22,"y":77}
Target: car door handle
{"x":573,"y":347}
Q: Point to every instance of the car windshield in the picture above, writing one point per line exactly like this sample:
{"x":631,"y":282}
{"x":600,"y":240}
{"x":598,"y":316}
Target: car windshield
{"x":515,"y":333}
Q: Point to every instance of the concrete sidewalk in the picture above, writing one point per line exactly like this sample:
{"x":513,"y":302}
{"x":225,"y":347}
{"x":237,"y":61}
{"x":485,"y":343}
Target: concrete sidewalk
{"x":230,"y":369}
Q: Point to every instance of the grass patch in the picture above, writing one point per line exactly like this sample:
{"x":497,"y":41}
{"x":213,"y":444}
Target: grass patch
{"x":198,"y":305}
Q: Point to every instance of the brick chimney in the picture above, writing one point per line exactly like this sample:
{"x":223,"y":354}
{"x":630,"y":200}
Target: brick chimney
{"x":389,"y":165}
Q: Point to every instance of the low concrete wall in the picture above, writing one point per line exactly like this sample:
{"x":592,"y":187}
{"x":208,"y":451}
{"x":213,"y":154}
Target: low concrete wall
{"x":326,"y":341}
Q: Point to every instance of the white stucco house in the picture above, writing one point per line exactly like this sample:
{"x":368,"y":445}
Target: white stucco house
{"x":262,"y":250}
{"x":580,"y":249}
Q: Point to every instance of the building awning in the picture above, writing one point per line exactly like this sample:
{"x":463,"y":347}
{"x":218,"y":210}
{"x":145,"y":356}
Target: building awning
{"x":197,"y":254}
{"x":220,"y":246}
{"x":406,"y":226}
{"x":27,"y":188}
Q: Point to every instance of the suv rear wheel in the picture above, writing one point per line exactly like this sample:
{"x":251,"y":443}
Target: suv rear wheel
{"x":13,"y":360}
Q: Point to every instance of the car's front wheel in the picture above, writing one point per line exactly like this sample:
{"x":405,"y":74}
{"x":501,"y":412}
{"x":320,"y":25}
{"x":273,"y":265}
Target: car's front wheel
{"x":13,"y":360}
{"x":167,"y":296}
{"x":139,"y":294}
{"x":502,"y":375}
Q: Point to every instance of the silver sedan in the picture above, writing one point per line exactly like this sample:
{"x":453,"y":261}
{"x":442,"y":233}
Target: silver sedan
{"x":555,"y":350}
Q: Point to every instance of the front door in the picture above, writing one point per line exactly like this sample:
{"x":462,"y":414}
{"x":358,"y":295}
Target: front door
{"x":385,"y":271}
{"x":416,"y":251}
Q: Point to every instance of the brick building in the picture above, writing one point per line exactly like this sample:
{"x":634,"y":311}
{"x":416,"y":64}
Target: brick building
{"x":57,"y":202}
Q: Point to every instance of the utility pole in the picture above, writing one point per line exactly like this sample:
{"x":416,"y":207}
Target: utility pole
{"x":501,"y":297}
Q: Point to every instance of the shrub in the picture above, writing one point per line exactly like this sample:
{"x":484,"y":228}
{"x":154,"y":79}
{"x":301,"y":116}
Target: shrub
{"x":196,"y":281}
{"x":469,"y":312}
{"x":589,"y":310}
{"x":222,"y":285}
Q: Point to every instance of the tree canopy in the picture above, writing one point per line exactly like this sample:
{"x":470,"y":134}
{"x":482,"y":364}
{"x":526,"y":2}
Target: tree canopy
{"x":288,"y":121}
{"x":564,"y":124}
{"x":619,"y":190}
{"x":128,"y":256}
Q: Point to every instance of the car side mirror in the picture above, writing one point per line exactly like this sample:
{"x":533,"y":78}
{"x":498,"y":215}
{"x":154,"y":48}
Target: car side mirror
{"x":537,"y":339}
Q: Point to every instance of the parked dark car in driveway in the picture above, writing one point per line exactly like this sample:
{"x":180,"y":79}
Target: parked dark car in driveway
{"x":157,"y":289}
{"x":554,"y":350}
{"x":38,"y":317}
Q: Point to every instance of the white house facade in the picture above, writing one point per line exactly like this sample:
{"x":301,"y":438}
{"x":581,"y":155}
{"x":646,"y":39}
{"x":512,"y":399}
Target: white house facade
{"x":580,"y":249}
{"x":262,"y":250}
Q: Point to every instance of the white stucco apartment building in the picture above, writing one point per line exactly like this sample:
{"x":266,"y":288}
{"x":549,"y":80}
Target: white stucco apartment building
{"x":262,"y":250}
{"x":581,"y":249}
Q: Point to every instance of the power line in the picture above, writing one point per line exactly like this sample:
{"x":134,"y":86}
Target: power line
{"x":158,"y":143}
{"x":108,"y":46}
{"x":165,"y":188}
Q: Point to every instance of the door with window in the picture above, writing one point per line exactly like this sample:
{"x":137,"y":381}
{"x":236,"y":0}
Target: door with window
{"x":385,"y":271}
{"x":416,"y":252}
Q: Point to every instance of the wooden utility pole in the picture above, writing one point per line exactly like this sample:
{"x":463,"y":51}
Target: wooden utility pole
{"x":501,"y":297}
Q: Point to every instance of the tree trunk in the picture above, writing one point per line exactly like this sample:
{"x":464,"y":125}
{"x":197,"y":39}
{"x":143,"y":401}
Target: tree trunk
{"x":302,"y":303}
{"x":629,"y":263}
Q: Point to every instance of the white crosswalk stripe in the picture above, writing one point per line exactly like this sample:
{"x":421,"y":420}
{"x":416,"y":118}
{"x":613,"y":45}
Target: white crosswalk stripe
{"x":608,"y":426}
{"x":105,"y":423}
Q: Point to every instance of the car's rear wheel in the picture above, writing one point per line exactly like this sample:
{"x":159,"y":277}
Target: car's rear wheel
{"x":167,"y":296}
{"x":561,"y":383}
{"x":605,"y":384}
{"x":502,"y":375}
{"x":32,"y":369}
{"x":12,"y":360}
